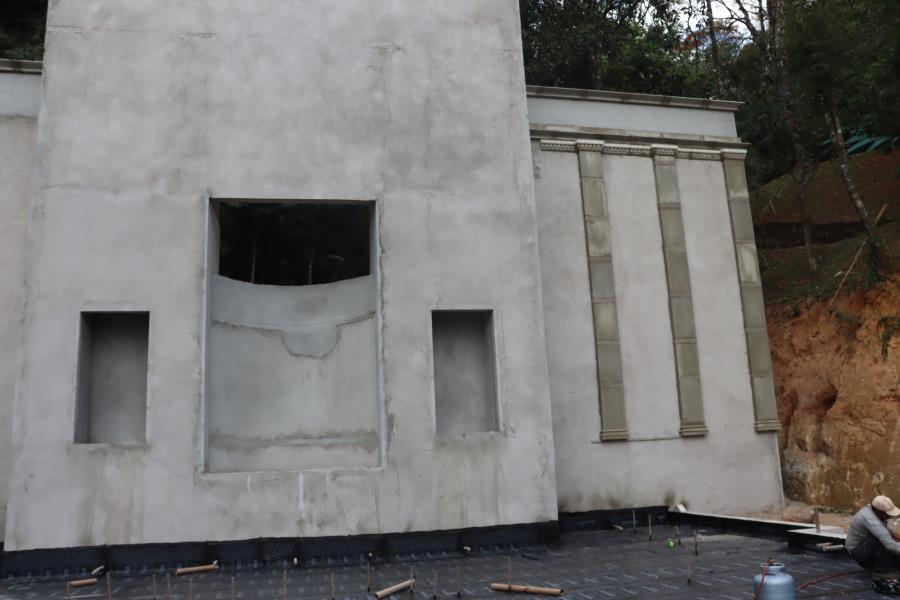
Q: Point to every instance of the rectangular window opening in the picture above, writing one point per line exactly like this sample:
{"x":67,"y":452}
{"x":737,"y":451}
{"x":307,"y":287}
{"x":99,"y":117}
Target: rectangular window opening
{"x":464,"y":375}
{"x":111,"y":397}
{"x":294,"y":243}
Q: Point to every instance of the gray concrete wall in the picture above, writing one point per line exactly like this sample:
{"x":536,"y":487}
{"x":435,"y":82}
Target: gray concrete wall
{"x":630,"y":113}
{"x":293,"y":380}
{"x":732,"y":467}
{"x":17,"y":139}
{"x":149,"y":110}
{"x":20,"y":92}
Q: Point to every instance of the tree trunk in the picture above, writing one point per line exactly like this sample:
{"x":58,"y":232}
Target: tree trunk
{"x":801,"y":172}
{"x":714,"y":48}
{"x":253,"y":258}
{"x":840,"y":150}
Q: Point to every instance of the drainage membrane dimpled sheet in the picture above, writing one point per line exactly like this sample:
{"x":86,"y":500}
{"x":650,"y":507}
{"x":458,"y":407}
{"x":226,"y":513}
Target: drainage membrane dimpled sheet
{"x":597,"y":565}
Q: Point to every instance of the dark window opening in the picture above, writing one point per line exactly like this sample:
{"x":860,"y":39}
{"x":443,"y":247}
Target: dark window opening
{"x":294,"y":244}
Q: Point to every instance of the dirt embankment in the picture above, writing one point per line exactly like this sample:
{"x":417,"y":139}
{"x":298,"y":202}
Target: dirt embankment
{"x":837,"y":378}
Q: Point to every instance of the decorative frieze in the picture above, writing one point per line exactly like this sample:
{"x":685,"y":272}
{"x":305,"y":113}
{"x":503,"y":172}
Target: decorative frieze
{"x":622,"y":148}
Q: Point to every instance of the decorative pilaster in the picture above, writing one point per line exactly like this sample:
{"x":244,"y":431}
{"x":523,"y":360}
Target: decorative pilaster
{"x":614,"y":425}
{"x":681,"y":306}
{"x":760,"y":361}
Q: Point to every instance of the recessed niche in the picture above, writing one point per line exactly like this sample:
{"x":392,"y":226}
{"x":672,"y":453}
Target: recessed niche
{"x":464,"y":377}
{"x":111,"y":397}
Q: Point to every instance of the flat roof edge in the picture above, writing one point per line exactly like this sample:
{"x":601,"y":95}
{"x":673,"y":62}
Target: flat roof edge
{"x":9,"y":65}
{"x":535,"y":91}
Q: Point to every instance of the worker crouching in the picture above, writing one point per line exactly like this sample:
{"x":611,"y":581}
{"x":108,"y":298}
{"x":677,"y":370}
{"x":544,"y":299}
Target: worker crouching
{"x":870,"y":541}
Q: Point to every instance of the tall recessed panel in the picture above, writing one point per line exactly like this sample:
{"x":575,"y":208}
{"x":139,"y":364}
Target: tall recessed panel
{"x":292,"y":338}
{"x":464,"y":377}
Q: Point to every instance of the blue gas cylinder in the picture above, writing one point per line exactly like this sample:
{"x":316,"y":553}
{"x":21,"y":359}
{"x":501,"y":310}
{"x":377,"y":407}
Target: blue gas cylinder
{"x":778,"y":584}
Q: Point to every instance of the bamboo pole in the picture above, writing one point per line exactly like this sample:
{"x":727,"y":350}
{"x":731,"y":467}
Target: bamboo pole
{"x":210,"y":568}
{"x":168,"y":587}
{"x":232,"y":588}
{"x":190,"y":588}
{"x":83,"y":582}
{"x":458,"y":581}
{"x":108,"y":588}
{"x":853,"y":263}
{"x":389,"y":591}
{"x":332,"y":585}
{"x":434,"y":587}
{"x":649,"y":527}
{"x":153,"y":582}
{"x":68,"y":591}
{"x":368,"y":574}
{"x":526,"y":589}
{"x":284,"y":584}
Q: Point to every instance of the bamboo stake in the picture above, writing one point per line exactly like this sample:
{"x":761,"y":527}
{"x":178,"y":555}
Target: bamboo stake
{"x":649,"y":527}
{"x":83,"y":582}
{"x":526,"y":589}
{"x":389,"y":591}
{"x":332,"y":585}
{"x":108,"y":588}
{"x":368,"y":574}
{"x":458,"y":581}
{"x":284,"y":584}
{"x":190,"y":588}
{"x":68,"y":591}
{"x":696,"y":544}
{"x":853,"y":263}
{"x":434,"y":587}
{"x":153,"y":582}
{"x":232,"y":588}
{"x":168,"y":587}
{"x":212,"y":567}
{"x":633,"y":521}
{"x":412,"y":577}
{"x":509,"y":570}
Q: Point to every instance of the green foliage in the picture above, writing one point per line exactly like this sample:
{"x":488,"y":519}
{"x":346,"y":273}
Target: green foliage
{"x":22,"y":29}
{"x":626,"y":45}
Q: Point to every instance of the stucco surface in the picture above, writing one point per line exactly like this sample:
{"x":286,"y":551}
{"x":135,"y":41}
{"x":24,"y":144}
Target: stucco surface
{"x":20,"y":94}
{"x":648,"y":360}
{"x":292,"y":376}
{"x":16,"y":162}
{"x":149,"y":110}
{"x":732,"y":467}
{"x":635,"y":117}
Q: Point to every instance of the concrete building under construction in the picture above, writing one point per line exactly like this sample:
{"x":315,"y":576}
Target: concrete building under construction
{"x":553,"y":302}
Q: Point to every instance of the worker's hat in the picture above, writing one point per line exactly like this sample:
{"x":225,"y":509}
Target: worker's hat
{"x":886,"y":505}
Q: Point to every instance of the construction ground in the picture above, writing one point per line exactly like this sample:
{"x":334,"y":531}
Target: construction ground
{"x":596,"y":565}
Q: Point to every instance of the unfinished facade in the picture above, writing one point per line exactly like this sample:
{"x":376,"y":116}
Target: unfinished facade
{"x":552,"y":302}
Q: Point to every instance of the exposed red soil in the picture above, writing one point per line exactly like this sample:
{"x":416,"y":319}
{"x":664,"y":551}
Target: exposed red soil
{"x":839,"y":396}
